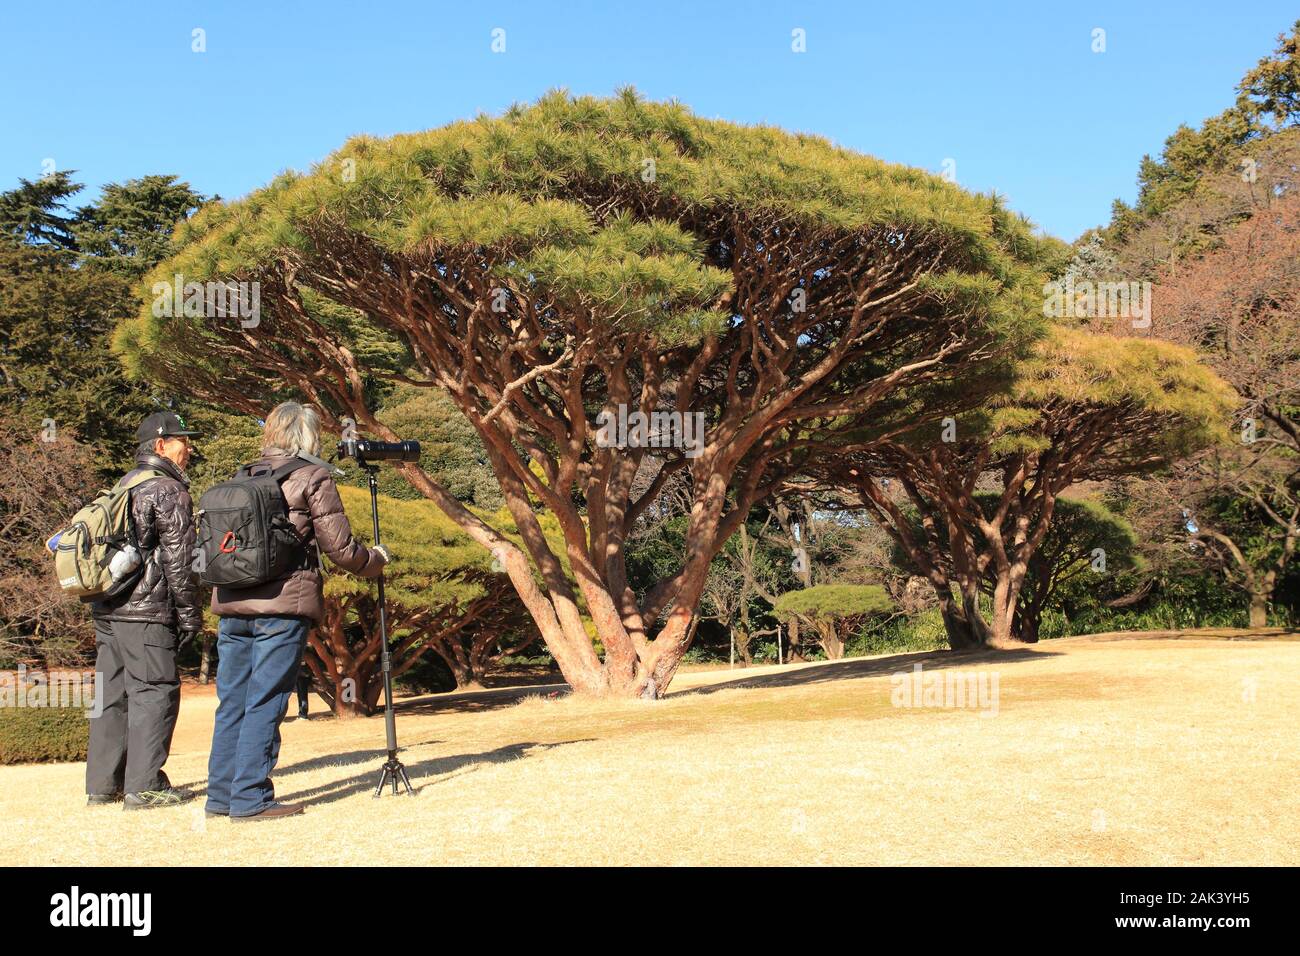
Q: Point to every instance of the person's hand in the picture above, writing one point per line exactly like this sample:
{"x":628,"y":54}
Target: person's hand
{"x":384,"y":553}
{"x":186,"y":637}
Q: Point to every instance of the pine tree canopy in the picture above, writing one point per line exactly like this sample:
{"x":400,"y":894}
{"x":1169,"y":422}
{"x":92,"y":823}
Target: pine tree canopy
{"x":582,"y":258}
{"x":617,"y":206}
{"x":833,"y":602}
{"x":1159,"y":398}
{"x":1163,"y":400}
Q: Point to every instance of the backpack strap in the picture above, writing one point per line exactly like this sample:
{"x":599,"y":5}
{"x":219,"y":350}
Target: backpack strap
{"x":334,"y":470}
{"x":284,"y":471}
{"x":128,"y":486}
{"x":277,"y":474}
{"x":139,"y":479}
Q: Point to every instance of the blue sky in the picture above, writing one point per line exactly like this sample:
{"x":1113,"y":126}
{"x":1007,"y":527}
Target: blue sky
{"x":1012,"y":93}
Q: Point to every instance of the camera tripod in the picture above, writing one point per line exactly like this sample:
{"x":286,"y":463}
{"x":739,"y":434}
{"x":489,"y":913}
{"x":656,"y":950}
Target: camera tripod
{"x":393,"y":770}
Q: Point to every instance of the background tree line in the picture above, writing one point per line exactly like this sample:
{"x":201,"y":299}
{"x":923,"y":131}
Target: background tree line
{"x":70,"y":276}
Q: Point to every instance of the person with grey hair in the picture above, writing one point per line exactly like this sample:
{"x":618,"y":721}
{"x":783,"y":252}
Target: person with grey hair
{"x":263,"y":630}
{"x":139,"y":630}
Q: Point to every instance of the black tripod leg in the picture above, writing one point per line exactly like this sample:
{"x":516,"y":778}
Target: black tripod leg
{"x":392,"y":772}
{"x":393,"y":767}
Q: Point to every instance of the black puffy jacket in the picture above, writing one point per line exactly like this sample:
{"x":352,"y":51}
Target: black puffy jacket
{"x":166,"y":591}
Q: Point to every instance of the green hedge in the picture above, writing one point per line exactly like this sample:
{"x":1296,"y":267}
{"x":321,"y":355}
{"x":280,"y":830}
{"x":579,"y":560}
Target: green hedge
{"x":900,"y":634}
{"x":40,"y":734}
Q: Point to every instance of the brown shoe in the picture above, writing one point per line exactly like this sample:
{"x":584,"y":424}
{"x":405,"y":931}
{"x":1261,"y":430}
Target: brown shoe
{"x":272,"y":812}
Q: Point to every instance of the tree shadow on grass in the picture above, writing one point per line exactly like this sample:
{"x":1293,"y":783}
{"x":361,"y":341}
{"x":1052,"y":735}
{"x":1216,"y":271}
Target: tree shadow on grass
{"x":468,"y":702}
{"x":355,"y":757}
{"x":441,"y":768}
{"x":823,"y":672}
{"x":465,"y":702}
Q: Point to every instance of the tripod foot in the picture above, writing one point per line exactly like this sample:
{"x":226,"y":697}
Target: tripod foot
{"x":392,"y":772}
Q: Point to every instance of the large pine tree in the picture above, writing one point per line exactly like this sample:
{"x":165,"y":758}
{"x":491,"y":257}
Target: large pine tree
{"x":582,"y":257}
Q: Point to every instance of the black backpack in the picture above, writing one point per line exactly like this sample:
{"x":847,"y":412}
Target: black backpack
{"x":245,"y":536}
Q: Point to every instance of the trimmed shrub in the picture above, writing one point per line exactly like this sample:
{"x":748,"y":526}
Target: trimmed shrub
{"x":43,"y":734}
{"x":898,"y":634}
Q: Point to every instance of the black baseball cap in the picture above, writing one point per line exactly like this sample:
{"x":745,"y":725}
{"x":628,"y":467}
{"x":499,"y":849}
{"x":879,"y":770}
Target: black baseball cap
{"x":162,"y":425}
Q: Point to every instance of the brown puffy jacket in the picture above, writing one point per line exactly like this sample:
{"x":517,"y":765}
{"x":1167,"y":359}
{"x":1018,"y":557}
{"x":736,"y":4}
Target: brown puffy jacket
{"x":166,"y":590}
{"x":317,"y":513}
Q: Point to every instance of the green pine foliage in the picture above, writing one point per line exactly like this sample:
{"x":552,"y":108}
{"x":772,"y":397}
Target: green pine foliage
{"x":69,"y":279}
{"x":129,"y":228}
{"x":833,"y":602}
{"x":450,"y":450}
{"x":37,"y":214}
{"x":430,"y":553}
{"x":518,"y":185}
{"x":1072,"y":371}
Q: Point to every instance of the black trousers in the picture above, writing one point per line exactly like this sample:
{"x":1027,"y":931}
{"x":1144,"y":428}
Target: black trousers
{"x":138,"y":696}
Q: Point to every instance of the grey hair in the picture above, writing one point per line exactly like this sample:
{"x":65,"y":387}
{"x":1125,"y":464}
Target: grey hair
{"x":293,"y":427}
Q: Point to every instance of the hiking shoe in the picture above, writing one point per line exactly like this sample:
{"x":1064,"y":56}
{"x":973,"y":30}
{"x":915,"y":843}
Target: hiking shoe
{"x":272,"y":812}
{"x":209,"y":812}
{"x":149,"y":799}
{"x":103,"y":799}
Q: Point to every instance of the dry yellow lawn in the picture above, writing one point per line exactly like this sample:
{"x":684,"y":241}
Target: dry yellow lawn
{"x":1143,"y":752}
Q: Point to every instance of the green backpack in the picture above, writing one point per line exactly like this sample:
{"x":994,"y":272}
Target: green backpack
{"x":95,"y":555}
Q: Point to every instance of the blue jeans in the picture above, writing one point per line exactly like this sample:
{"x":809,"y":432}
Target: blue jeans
{"x":256,"y":672}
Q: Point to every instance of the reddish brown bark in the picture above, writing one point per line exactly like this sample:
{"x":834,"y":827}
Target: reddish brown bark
{"x":344,"y":655}
{"x":530,"y":372}
{"x":956,"y":544}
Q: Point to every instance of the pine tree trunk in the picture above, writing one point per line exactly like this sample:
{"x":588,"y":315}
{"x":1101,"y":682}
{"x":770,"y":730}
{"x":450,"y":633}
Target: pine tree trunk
{"x":1026,"y":623}
{"x":1259,"y":610}
{"x":794,"y":647}
{"x":743,"y":641}
{"x":961,"y":619}
{"x":961,"y":634}
{"x":350,"y":694}
{"x":831,"y":642}
{"x":1006,"y":599}
{"x":1003,"y":611}
{"x":465,"y":675}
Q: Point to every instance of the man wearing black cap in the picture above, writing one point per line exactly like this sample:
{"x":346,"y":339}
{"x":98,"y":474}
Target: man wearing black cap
{"x":138,"y":633}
